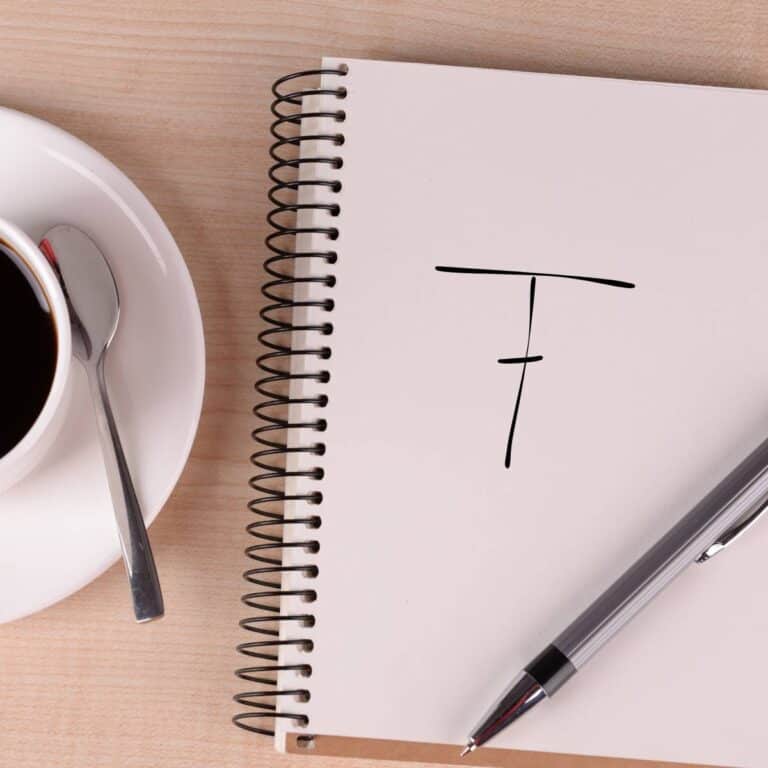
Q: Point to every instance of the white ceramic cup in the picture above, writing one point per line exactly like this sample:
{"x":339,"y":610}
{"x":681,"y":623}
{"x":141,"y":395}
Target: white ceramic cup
{"x":31,"y":449}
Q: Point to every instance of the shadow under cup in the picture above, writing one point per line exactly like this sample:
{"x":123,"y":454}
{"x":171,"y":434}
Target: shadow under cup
{"x":29,"y":347}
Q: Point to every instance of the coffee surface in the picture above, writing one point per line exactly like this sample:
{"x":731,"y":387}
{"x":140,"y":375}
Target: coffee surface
{"x":27,"y":349}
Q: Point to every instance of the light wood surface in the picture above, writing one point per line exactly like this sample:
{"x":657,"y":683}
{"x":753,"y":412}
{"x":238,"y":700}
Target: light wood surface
{"x":176,"y":93}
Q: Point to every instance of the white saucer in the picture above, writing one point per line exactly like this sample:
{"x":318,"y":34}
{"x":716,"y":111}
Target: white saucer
{"x":57,"y":530}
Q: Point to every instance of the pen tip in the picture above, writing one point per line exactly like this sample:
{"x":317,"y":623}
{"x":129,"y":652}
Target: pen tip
{"x":471,"y":747}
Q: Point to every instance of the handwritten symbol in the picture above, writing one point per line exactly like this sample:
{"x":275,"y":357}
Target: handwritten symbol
{"x":527,"y":358}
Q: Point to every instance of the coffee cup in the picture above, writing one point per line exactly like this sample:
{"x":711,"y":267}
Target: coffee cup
{"x":35,"y":355}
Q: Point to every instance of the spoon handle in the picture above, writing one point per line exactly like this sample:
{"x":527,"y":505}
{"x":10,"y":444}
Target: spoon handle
{"x":134,"y":542}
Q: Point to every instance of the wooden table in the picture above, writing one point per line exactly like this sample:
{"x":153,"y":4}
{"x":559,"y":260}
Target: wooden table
{"x":176,"y":93}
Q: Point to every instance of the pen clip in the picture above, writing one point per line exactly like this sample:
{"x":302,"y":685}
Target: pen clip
{"x":731,"y":534}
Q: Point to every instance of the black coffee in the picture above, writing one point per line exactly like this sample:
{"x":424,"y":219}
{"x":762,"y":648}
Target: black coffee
{"x":27,"y":349}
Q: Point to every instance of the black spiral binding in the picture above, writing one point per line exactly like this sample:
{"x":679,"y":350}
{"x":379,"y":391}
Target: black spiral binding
{"x":272,"y":436}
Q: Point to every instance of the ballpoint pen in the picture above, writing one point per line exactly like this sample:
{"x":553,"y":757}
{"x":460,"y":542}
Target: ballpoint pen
{"x":717,"y":520}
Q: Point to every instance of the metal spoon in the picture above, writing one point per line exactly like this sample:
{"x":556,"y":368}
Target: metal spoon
{"x":94,"y":309}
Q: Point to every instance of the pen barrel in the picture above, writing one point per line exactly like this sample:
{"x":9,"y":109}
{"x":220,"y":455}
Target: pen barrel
{"x":740,"y":494}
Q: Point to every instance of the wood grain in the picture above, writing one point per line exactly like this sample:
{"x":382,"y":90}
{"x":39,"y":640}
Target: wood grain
{"x":176,"y":93}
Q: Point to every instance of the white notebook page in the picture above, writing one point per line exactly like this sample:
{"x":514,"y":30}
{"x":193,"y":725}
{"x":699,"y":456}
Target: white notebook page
{"x":441,"y":571}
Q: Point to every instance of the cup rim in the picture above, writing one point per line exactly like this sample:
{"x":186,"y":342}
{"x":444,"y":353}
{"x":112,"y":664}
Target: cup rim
{"x":24,"y":247}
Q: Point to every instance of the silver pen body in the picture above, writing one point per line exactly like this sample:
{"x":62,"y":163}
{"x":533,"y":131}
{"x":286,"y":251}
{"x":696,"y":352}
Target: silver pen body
{"x":741,"y":496}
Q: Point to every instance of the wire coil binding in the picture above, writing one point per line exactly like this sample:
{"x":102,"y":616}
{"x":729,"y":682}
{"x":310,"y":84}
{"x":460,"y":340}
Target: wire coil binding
{"x":272,"y":436}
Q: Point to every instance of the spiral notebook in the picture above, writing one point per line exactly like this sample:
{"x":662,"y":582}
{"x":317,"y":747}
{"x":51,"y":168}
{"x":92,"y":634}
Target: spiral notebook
{"x":515,"y":326}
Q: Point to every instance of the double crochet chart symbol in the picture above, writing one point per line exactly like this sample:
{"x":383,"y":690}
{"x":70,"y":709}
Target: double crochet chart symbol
{"x":527,"y":357}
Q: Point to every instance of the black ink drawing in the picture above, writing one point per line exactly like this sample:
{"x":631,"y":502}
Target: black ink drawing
{"x":527,"y":358}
